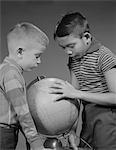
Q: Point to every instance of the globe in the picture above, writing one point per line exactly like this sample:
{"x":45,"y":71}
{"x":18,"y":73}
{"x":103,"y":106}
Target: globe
{"x":50,"y":117}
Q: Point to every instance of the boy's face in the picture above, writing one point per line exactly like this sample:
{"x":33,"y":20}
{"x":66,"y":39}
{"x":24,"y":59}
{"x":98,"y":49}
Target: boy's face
{"x":73,"y":46}
{"x":31,"y":56}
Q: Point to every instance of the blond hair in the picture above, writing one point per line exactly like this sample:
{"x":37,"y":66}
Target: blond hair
{"x":23,"y":31}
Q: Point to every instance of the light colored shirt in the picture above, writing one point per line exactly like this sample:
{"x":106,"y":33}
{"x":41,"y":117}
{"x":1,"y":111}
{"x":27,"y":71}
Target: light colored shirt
{"x":13,"y":101}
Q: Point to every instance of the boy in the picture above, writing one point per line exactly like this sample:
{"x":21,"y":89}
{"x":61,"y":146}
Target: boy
{"x":93,"y":73}
{"x":26,"y":43}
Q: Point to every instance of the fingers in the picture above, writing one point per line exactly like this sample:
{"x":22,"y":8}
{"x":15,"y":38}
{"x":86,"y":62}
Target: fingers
{"x":55,"y":90}
{"x":60,"y":84}
{"x":72,"y":140}
{"x":59,"y":93}
{"x":59,"y":99}
{"x":55,"y":87}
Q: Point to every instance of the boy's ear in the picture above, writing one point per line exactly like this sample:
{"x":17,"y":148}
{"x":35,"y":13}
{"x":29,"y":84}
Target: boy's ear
{"x":87,"y":38}
{"x":20,"y":52}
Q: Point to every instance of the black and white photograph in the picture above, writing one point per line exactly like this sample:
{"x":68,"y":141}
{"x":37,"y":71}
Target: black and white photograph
{"x":57,"y":75}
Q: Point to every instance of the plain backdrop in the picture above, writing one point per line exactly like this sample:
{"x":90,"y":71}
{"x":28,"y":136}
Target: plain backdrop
{"x":45,"y":14}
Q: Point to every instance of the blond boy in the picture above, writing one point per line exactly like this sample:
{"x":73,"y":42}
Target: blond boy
{"x":26,"y":43}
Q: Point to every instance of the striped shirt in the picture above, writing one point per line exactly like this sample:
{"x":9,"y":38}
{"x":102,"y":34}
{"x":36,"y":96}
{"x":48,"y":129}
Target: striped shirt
{"x":13,"y":102}
{"x":90,"y":69}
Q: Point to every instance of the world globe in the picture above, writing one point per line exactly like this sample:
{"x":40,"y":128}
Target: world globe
{"x":50,"y":117}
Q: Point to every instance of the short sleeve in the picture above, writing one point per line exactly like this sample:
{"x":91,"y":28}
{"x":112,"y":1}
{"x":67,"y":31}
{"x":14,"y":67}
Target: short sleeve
{"x":107,"y":60}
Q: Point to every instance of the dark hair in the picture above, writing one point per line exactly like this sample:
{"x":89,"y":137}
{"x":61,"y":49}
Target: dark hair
{"x":71,"y":23}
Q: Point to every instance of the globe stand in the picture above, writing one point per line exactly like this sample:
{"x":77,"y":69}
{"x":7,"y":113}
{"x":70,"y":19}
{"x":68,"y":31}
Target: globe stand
{"x":54,"y":143}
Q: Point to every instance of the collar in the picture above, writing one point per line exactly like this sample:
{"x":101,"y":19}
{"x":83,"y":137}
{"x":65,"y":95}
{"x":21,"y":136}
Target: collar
{"x":95,"y":45}
{"x":13,"y":63}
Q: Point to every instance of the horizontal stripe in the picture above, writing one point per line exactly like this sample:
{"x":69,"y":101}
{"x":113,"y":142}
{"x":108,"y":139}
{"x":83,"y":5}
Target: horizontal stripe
{"x":22,"y":110}
{"x":12,"y":84}
{"x":89,"y":70}
{"x":17,"y":94}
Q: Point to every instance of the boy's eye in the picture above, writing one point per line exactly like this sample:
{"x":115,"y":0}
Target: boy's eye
{"x":37,"y":56}
{"x":71,"y":46}
{"x":68,"y":46}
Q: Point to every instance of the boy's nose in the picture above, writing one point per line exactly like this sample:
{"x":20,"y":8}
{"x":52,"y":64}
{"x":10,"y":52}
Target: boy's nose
{"x":38,"y":61}
{"x":69,"y":52}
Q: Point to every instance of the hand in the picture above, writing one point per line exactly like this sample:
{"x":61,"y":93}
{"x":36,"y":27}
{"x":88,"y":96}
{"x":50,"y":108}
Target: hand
{"x":73,"y":140}
{"x":64,"y":90}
